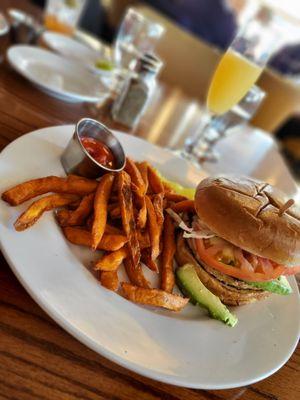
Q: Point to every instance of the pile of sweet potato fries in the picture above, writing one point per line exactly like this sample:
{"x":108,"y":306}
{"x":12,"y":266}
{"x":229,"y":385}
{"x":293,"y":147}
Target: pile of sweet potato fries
{"x":124,"y":215}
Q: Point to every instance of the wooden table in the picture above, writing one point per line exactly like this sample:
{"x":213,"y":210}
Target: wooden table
{"x":38,"y":360}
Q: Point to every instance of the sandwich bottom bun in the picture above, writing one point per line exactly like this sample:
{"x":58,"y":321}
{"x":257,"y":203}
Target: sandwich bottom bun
{"x":231,"y":291}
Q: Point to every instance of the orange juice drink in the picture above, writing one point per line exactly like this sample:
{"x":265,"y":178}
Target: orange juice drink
{"x":232,"y":79}
{"x":53,"y":23}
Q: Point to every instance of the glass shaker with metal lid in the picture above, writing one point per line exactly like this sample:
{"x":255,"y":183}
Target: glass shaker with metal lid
{"x":136,"y":91}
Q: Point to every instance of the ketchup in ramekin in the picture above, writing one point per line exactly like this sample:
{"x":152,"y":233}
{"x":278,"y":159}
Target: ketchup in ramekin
{"x":99,"y":151}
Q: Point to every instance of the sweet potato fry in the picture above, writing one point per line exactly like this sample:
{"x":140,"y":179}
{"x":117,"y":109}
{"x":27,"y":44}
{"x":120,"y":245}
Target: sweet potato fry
{"x":74,"y":205}
{"x":62,"y":216}
{"x":142,"y":214}
{"x":136,"y":177}
{"x":143,"y":239}
{"x":169,"y":248}
{"x":38,"y":207}
{"x":154,"y":181}
{"x":158,"y":205}
{"x":111,"y":261}
{"x":112,"y":242}
{"x":125,"y":201}
{"x":135,"y":273}
{"x":89,"y":222}
{"x":174,"y":197}
{"x":113,"y":196}
{"x":183,"y":206}
{"x":80,"y":214}
{"x":153,"y":297}
{"x":153,"y":228}
{"x":143,"y":168}
{"x":82,"y":237}
{"x":167,"y":188}
{"x":110,"y":280}
{"x":115,"y":212}
{"x":112,"y":204}
{"x":27,"y":190}
{"x":113,"y":230}
{"x":147,"y":260}
{"x":140,"y":189}
{"x":128,"y":221}
{"x":100,"y":208}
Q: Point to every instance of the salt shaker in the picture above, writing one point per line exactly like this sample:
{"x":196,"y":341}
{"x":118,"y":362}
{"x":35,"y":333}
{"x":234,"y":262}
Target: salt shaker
{"x":136,"y":91}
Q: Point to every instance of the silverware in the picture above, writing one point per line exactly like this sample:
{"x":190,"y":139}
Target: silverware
{"x":76,"y":160}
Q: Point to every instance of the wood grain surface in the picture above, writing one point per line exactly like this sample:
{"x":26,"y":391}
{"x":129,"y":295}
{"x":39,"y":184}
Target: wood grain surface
{"x":39,"y":360}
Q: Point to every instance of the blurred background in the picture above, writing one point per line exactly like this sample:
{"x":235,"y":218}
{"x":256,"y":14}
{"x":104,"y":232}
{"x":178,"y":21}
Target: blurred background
{"x":197,"y":33}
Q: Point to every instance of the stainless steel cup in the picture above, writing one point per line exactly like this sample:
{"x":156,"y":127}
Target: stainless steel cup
{"x":76,"y":160}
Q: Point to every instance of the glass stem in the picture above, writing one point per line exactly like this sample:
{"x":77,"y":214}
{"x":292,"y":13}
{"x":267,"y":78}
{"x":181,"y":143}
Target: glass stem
{"x":199,"y":147}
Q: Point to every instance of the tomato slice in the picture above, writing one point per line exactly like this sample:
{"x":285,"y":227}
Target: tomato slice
{"x":242,"y":265}
{"x":291,"y":270}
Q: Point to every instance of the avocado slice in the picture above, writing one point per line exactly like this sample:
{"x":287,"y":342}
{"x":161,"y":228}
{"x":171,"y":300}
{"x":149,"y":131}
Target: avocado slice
{"x":278,"y":286}
{"x":190,"y":284}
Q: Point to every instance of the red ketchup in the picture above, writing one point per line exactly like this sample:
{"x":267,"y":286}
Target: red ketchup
{"x":99,"y":151}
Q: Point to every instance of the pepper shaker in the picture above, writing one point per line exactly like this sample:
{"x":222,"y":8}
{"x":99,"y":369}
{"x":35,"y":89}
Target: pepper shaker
{"x":136,"y":91}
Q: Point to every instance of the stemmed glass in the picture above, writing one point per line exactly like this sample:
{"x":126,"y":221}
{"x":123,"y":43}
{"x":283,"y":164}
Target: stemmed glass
{"x":137,"y":35}
{"x":232,"y":86}
{"x":199,"y":146}
{"x":243,"y":62}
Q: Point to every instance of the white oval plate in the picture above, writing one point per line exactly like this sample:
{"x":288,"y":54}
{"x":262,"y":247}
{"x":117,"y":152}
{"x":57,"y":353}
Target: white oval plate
{"x":69,"y":48}
{"x":77,"y":51}
{"x":57,"y":76}
{"x":187,"y":349}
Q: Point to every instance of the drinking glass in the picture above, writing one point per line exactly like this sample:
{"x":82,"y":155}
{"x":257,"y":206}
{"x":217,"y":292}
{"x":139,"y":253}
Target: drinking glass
{"x":232,"y":97}
{"x":62,"y":15}
{"x":137,"y":35}
{"x":199,"y":146}
{"x":243,"y":62}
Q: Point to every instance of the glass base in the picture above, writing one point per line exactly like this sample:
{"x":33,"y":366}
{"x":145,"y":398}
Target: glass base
{"x":199,"y":146}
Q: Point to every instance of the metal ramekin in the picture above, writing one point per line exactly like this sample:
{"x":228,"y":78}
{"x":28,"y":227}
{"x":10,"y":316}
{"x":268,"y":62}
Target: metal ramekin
{"x":76,"y":160}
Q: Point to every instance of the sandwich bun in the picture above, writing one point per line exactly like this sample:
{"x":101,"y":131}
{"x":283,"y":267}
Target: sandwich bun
{"x":248,"y":213}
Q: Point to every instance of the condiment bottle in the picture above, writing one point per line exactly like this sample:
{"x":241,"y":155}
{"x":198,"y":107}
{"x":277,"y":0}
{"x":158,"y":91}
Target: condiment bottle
{"x":136,"y":91}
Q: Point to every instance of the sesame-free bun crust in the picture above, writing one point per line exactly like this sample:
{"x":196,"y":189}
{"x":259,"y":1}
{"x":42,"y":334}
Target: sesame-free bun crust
{"x":246,"y":213}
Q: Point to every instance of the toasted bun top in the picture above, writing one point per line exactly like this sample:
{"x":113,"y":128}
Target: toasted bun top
{"x":247,"y":213}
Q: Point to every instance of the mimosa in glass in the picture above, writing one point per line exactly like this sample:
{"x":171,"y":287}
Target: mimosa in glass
{"x":243,"y":62}
{"x":233,"y":78}
{"x":232,"y":97}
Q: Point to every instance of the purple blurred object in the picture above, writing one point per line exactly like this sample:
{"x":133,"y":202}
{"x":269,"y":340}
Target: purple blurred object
{"x":287,"y":60}
{"x":213,"y":21}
